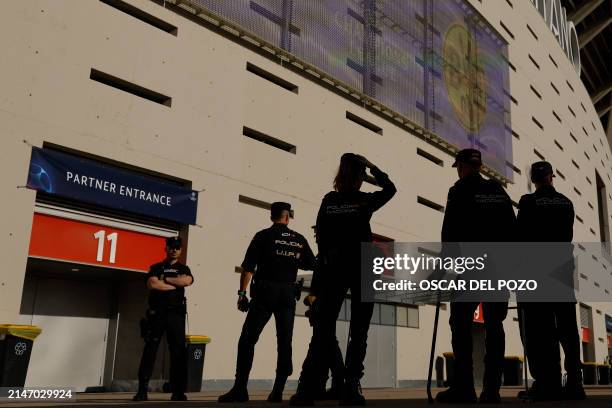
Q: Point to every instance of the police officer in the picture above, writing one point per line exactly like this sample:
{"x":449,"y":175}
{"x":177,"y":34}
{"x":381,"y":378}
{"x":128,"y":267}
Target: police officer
{"x":272,"y":259}
{"x":477,"y":210}
{"x":548,"y":216}
{"x":166,"y":282}
{"x":343,"y":223}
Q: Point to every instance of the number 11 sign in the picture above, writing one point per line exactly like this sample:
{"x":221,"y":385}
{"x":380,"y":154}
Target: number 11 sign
{"x":62,"y":239}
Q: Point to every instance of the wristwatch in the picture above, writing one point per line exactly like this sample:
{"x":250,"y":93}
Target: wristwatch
{"x":242,"y":293}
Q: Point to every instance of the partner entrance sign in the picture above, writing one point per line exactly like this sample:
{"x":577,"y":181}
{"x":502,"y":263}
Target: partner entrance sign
{"x":94,"y":182}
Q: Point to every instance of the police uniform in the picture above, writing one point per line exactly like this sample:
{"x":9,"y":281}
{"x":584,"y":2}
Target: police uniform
{"x":274,"y":255}
{"x":477,"y":210}
{"x":166,"y":314}
{"x":548,"y":216}
{"x":343,"y":223}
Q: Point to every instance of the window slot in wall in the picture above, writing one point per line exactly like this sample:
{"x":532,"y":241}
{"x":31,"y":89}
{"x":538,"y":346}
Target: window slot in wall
{"x":513,"y":167}
{"x":569,"y":108}
{"x":557,"y":116}
{"x":583,"y":108}
{"x":430,"y":157}
{"x":575,"y":164}
{"x":362,"y":122}
{"x":553,"y":61}
{"x":589,"y":180}
{"x":513,"y":99}
{"x":258,"y":203}
{"x":129,"y":87}
{"x":580,"y":220}
{"x":587,"y":156}
{"x":577,"y":191}
{"x":269,"y":140}
{"x":583,"y":276}
{"x":506,"y":29}
{"x":569,"y":85}
{"x":555,"y":88}
{"x":593,"y":231}
{"x":560,"y":174}
{"x":538,"y":154}
{"x":538,"y":124}
{"x":534,"y":61}
{"x":510,"y":3}
{"x":573,"y":137}
{"x":593,"y":124}
{"x":142,"y":16}
{"x":535,"y":91}
{"x":585,"y":131}
{"x":590,"y":205}
{"x":516,"y":135}
{"x":558,"y":145}
{"x":262,"y":73}
{"x":532,"y":32}
{"x":430,"y":204}
{"x":596,"y":151}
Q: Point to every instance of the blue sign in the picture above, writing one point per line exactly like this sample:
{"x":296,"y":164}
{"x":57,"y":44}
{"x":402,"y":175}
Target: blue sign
{"x":90,"y":181}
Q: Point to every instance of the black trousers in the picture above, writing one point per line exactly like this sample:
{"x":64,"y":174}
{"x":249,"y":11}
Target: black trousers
{"x":269,"y":298}
{"x":324,"y":345}
{"x":546,"y":325}
{"x":171,"y":321}
{"x":336,"y":367}
{"x":461,"y":317}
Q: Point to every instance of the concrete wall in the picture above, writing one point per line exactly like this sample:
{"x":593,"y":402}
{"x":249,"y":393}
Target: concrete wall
{"x":50,"y":47}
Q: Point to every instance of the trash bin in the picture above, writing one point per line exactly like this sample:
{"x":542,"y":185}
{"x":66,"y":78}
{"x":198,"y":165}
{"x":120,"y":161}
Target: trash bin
{"x":196,"y":350}
{"x":449,"y":359}
{"x":513,"y":370}
{"x":603,"y":371}
{"x":16,"y":343}
{"x":589,"y":373}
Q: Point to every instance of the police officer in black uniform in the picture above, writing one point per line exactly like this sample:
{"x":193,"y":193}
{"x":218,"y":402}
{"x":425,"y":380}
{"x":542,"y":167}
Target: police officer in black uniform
{"x":477,"y":210}
{"x":272,"y":259}
{"x":343,"y":224}
{"x":548,"y":216}
{"x":166,"y":282}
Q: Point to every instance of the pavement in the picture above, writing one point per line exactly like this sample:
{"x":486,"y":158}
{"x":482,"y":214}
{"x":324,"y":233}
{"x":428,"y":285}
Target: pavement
{"x":598,"y":397}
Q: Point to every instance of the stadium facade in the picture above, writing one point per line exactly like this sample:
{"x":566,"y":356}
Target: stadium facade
{"x":220,"y":108}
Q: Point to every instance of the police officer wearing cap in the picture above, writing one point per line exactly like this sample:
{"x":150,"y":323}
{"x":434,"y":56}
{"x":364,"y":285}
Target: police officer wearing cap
{"x":477,"y":210}
{"x":166,"y":282}
{"x":548,"y":216}
{"x":343,"y":224}
{"x":272,"y":260}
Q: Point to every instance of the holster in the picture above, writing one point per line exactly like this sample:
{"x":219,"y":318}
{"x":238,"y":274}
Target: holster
{"x":297,"y":289}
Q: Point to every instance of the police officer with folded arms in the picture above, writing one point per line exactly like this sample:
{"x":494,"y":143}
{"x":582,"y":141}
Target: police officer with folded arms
{"x":477,"y":210}
{"x":166,"y":282}
{"x":272,"y":260}
{"x":548,"y":216}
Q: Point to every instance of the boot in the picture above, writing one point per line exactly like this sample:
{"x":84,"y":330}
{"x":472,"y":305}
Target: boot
{"x":179,"y":396}
{"x":236,"y":394}
{"x":303,"y":396}
{"x":489,"y":397}
{"x":455,"y":395}
{"x":276,"y":395}
{"x":141,"y":394}
{"x":351,"y":395}
{"x":573,"y":391}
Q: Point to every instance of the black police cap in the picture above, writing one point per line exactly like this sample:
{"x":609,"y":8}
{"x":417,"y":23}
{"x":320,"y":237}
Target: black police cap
{"x":468,"y":156}
{"x":541,"y":169}
{"x":174,"y":242}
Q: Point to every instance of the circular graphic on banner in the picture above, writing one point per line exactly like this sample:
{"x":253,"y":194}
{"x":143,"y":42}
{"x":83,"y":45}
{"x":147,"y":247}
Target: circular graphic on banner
{"x":197,"y":354}
{"x":20,"y":348}
{"x":39,"y":179}
{"x":464,"y":77}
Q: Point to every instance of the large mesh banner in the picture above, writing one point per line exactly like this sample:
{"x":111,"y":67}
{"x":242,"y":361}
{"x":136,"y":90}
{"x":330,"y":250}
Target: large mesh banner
{"x":437,"y":63}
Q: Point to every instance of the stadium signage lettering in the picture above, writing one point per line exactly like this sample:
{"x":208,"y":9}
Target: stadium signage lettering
{"x":564,"y":31}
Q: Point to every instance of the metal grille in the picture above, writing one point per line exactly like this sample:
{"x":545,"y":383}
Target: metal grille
{"x":436,"y":63}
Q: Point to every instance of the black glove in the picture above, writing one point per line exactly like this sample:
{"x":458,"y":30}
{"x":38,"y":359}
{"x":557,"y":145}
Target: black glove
{"x":243,"y":304}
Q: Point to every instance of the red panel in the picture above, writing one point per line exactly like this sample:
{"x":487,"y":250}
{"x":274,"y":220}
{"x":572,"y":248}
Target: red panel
{"x":609,"y":341}
{"x":586,"y":335}
{"x":76,"y":241}
{"x":478,"y":316}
